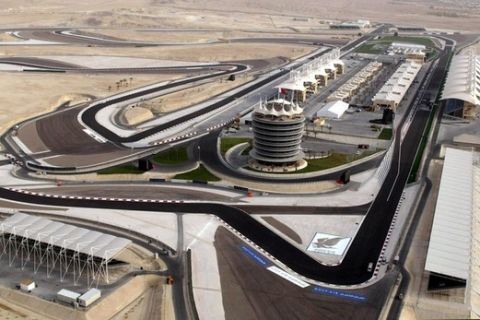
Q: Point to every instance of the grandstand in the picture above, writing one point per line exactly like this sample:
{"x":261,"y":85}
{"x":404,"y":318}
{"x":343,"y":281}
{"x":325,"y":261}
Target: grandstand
{"x":462,"y":87}
{"x":43,"y":244}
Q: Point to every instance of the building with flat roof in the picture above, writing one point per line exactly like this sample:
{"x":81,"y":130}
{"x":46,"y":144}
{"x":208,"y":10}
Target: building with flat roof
{"x":346,"y":91}
{"x":411,"y":51}
{"x":67,"y":296}
{"x":89,"y":297}
{"x":462,"y":87}
{"x":393,"y":91}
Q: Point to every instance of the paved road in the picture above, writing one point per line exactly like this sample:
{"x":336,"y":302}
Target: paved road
{"x":80,"y":37}
{"x":364,"y":249}
{"x":209,"y":156}
{"x":88,"y":117}
{"x":60,"y":66}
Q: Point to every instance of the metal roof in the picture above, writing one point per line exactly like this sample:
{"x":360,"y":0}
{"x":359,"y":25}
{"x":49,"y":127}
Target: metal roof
{"x":92,"y":293}
{"x":64,"y":236}
{"x":463,"y":79}
{"x":396,"y":87}
{"x":449,"y":247}
{"x":333,"y":109}
{"x":69,"y":294}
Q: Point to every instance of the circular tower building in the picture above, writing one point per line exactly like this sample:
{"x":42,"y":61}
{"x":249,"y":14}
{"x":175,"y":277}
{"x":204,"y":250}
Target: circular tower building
{"x":278,"y":127}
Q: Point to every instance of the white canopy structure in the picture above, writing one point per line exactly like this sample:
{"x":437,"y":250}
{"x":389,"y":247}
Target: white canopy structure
{"x":278,"y":107}
{"x":463,"y":79}
{"x":333,"y":110}
{"x":346,"y":90}
{"x":397,"y":86}
{"x":449,"y":248}
{"x":407,"y":46}
{"x":309,"y":71}
{"x":294,"y":83}
{"x":43,"y":242}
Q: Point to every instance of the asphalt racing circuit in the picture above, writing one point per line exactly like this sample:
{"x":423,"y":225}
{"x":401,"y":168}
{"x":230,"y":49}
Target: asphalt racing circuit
{"x":366,"y":246}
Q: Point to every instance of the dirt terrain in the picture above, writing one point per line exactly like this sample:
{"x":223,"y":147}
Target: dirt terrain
{"x":461,"y":15}
{"x":25,"y":95}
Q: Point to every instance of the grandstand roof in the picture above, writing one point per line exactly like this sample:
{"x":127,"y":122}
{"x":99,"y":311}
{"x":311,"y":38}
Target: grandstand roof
{"x":463,"y":79}
{"x":396,"y":87}
{"x":449,"y":247}
{"x":65,"y":236}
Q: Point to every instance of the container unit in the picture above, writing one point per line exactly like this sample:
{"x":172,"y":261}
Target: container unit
{"x":67,"y":296}
{"x":89,"y":297}
{"x":27,"y":285}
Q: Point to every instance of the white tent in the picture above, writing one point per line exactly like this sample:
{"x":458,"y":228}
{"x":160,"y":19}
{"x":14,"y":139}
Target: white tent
{"x":333,"y":110}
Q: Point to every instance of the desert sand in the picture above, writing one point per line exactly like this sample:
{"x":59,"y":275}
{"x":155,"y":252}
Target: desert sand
{"x":25,"y":95}
{"x":201,"y":53}
{"x":233,"y":14}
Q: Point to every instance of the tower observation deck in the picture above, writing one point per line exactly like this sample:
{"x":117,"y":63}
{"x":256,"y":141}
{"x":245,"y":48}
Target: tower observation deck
{"x":278,"y":127}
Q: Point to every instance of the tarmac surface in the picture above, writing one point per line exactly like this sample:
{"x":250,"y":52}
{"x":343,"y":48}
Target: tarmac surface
{"x":364,"y":249}
{"x":80,"y":37}
{"x":136,"y":191}
{"x":88,"y":117}
{"x":250,"y":291}
{"x":210,"y":157}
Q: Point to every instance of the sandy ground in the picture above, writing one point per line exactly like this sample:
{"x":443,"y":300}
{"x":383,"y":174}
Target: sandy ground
{"x":476,"y":47}
{"x":25,"y":95}
{"x":178,"y":100}
{"x":201,"y":53}
{"x":199,"y":36}
{"x":7,"y":37}
{"x":11,"y":311}
{"x":135,"y":115}
{"x":153,"y":303}
{"x":274,"y":14}
{"x":117,"y":62}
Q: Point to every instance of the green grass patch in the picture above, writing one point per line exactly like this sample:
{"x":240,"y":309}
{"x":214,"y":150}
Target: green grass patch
{"x":335,"y":160}
{"x":171,"y":156}
{"x":432,"y":55}
{"x":427,"y":42}
{"x":228,"y":142}
{"x":375,"y":46}
{"x":123,"y":169}
{"x":201,"y":174}
{"x":369,"y":48}
{"x":386,"y":134}
{"x":423,"y":142}
{"x":421,"y":149}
